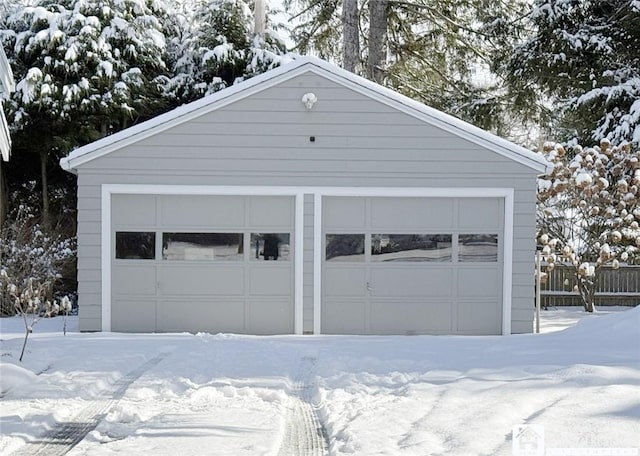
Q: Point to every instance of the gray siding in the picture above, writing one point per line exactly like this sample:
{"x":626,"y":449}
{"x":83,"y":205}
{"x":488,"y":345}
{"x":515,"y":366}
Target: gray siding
{"x":264,"y":140}
{"x":89,"y":257}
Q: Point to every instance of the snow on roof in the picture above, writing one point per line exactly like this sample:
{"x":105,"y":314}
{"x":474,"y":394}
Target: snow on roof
{"x":7,"y":85}
{"x":296,"y":67}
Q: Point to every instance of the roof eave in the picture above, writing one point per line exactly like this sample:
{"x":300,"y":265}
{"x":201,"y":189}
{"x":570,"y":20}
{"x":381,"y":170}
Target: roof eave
{"x":179,"y":115}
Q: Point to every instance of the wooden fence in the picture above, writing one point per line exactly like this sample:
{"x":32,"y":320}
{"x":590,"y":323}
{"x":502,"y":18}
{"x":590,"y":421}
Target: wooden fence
{"x":614,"y":287}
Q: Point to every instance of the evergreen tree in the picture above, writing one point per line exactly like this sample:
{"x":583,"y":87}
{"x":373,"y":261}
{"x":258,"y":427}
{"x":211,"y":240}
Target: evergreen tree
{"x":215,"y":46}
{"x":582,"y":57}
{"x":84,"y":68}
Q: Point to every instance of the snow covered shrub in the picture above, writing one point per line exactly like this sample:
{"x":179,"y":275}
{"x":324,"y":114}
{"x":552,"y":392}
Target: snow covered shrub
{"x":588,"y":212}
{"x":31,"y":303}
{"x":31,"y":259}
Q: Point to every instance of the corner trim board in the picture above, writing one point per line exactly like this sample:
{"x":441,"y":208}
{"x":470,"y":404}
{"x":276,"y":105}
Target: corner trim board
{"x":298,"y":306}
{"x":317,"y":263}
{"x":105,"y":260}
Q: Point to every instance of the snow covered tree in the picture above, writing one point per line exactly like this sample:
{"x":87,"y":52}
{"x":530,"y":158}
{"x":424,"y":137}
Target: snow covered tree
{"x":214,"y":46}
{"x":84,"y":68}
{"x":436,"y":51}
{"x":583,"y":57}
{"x":589,"y":211}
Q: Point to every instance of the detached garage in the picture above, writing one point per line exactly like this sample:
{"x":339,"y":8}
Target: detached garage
{"x":305,"y":200}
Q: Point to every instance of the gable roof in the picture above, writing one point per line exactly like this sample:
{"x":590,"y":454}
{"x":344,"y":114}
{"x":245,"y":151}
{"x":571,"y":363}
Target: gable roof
{"x":290,"y":70}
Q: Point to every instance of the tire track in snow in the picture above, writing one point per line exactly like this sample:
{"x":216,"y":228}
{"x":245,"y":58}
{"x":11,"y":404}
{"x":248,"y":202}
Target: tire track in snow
{"x":304,"y":434}
{"x":436,"y":440}
{"x":64,"y":436}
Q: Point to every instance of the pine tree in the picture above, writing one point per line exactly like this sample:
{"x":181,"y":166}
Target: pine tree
{"x":583,"y":58}
{"x":216,"y":47}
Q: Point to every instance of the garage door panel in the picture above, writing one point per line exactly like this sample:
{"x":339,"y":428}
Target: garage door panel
{"x":411,"y":282}
{"x":270,"y":212}
{"x":344,"y":281}
{"x":201,"y":315}
{"x":195,"y":211}
{"x":341,"y":213}
{"x":270,"y":280}
{"x":346,"y":316}
{"x":189,"y":280}
{"x":192,"y":277}
{"x":267,"y":316}
{"x":133,"y":210}
{"x":479,"y":317}
{"x":133,"y":315}
{"x":479,"y":213}
{"x":410,"y":317}
{"x":479,"y":282}
{"x":134,"y":279}
{"x":418,"y":214}
{"x":407,"y":296}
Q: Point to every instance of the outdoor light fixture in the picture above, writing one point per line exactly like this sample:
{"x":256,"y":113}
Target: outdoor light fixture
{"x":309,"y":99}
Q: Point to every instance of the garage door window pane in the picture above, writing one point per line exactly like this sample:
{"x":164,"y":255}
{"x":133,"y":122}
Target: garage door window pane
{"x":411,"y":247}
{"x":202,"y":246}
{"x":135,"y":245}
{"x":478,"y":247}
{"x":270,"y":247}
{"x":345,"y":247}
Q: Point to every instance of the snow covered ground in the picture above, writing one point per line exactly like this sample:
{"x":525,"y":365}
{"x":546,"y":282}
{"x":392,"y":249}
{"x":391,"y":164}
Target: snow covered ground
{"x":416,"y":395}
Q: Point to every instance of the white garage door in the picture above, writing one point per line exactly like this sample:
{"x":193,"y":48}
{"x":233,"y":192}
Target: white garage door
{"x":412,"y":265}
{"x":202,"y":263}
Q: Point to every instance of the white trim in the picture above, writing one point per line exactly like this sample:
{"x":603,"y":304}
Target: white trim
{"x":244,"y":190}
{"x":317,"y":263}
{"x":283,"y":73}
{"x":318,"y":193}
{"x":110,"y":189}
{"x":105,"y":261}
{"x":298,"y":261}
{"x":432,"y":192}
{"x":509,"y":207}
